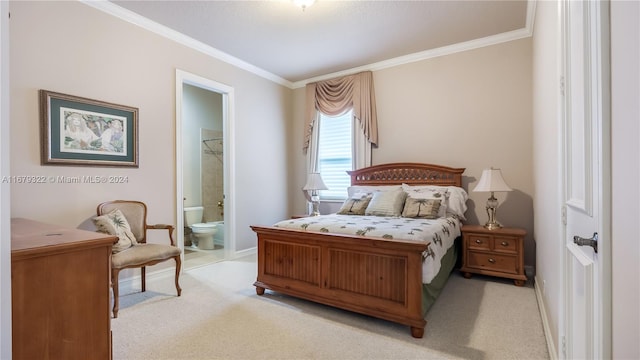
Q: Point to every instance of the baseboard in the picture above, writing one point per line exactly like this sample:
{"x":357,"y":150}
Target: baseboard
{"x":245,"y":252}
{"x":551,"y":345}
{"x":130,"y":284}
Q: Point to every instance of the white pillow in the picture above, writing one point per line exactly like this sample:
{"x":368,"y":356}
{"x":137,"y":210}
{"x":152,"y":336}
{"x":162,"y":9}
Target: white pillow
{"x":386,"y":203}
{"x":370,"y":189}
{"x":457,"y":202}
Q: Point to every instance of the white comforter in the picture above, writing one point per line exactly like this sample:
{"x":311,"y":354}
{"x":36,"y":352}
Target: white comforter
{"x":440,"y":233}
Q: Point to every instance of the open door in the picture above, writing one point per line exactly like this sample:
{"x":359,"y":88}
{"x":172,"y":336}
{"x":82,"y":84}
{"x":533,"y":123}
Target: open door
{"x":585,"y":30}
{"x":227,"y":155}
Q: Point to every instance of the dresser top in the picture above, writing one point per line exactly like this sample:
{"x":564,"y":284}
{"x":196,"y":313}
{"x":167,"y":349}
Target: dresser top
{"x":30,"y":236}
{"x":499,"y":231}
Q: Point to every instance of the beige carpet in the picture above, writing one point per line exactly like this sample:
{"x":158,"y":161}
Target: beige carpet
{"x":219,"y":316}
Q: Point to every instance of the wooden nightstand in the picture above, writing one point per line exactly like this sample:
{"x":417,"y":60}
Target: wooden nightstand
{"x":498,"y":252}
{"x":299,"y":216}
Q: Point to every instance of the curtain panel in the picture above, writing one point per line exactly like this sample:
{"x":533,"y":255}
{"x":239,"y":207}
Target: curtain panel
{"x":335,"y":96}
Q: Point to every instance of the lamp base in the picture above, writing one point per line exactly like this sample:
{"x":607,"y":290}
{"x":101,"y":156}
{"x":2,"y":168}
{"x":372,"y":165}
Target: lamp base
{"x":315,"y":208}
{"x":492,"y":205}
{"x":492,"y":226}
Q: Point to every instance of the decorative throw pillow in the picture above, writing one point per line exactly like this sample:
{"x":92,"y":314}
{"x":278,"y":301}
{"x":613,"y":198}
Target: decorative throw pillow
{"x":421,"y":208}
{"x":114,"y":223}
{"x":355,"y":205}
{"x":429,"y":192}
{"x":386,"y":203}
{"x":456,"y":198}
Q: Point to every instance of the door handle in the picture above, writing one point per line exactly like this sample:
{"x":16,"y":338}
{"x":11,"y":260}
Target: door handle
{"x":593,"y":242}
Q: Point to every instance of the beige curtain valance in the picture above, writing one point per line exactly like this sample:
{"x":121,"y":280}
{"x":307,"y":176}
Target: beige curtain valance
{"x":335,"y":96}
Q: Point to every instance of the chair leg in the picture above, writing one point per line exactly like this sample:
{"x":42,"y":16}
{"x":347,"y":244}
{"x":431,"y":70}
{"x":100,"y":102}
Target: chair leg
{"x":115,"y":288}
{"x":178,"y":266}
{"x":144,"y":278}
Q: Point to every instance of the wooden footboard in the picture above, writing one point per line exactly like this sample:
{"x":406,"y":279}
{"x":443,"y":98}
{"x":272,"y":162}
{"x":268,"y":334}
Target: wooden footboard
{"x":376,"y":277}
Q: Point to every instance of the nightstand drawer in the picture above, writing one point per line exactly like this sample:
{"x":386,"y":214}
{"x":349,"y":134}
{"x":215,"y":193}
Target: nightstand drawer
{"x":485,"y":261}
{"x":479,"y":242}
{"x":505,"y":244}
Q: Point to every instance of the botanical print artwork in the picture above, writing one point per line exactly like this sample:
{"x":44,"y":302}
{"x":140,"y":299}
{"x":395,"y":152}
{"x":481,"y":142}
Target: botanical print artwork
{"x":92,"y":133}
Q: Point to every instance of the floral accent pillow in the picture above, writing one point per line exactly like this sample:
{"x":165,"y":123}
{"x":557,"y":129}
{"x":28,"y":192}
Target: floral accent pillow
{"x":114,"y":223}
{"x":421,"y":208}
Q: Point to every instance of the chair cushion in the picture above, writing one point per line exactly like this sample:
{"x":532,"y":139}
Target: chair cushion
{"x":143,"y":253}
{"x":114,"y":223}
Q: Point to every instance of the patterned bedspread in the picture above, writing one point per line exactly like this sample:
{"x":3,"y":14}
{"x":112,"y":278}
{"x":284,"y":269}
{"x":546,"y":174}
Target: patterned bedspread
{"x":440,"y":233}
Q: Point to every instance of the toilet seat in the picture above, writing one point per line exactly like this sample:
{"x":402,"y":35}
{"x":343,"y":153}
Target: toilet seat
{"x":203,"y":228}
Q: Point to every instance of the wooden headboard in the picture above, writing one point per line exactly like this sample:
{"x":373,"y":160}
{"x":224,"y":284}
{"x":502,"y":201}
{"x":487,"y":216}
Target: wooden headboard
{"x":407,"y":173}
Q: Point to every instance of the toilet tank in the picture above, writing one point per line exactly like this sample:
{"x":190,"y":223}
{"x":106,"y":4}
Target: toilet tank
{"x":193,"y":215}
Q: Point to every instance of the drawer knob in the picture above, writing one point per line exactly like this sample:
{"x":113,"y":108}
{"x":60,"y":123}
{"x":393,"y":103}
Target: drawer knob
{"x":492,"y":260}
{"x":504,"y":243}
{"x":478,"y":241}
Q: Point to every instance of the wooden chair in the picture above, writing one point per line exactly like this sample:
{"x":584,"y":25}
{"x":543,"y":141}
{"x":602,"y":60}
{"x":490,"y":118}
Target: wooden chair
{"x":143,"y":254}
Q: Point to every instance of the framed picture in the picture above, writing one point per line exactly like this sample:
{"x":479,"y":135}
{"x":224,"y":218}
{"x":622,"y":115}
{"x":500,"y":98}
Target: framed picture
{"x":80,"y":131}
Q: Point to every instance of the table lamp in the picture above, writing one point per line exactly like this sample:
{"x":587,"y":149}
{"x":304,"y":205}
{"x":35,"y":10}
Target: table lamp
{"x":492,"y":181}
{"x":314,"y":183}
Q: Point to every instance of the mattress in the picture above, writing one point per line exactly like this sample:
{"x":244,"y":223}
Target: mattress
{"x":439,"y":233}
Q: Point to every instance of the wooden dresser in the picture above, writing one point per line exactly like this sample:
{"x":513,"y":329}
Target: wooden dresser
{"x":60,"y":287}
{"x":498,"y":252}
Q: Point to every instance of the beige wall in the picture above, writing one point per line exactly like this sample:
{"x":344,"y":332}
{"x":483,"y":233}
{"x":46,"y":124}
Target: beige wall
{"x":470,"y":109}
{"x":5,"y":193}
{"x":72,"y":48}
{"x":547,"y":133}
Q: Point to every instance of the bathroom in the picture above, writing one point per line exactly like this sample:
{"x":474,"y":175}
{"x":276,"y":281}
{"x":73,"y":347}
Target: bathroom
{"x":203,"y":175}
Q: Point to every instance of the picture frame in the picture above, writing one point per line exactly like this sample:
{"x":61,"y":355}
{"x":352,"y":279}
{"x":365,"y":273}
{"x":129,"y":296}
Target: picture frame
{"x":78,"y":131}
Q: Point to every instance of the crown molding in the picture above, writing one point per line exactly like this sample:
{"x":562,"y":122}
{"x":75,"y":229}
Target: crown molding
{"x":424,"y":55}
{"x":527,"y":31}
{"x":133,"y":18}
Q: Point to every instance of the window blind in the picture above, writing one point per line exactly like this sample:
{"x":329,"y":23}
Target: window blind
{"x":335,"y":154}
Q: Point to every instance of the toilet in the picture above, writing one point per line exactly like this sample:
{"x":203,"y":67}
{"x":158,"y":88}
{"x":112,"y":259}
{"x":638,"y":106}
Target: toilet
{"x":203,"y":232}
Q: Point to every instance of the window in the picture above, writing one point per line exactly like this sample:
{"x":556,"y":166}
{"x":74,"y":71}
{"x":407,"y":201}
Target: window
{"x":335,"y":154}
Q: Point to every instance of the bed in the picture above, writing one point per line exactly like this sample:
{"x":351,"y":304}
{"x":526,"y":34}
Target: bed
{"x":371,"y":273}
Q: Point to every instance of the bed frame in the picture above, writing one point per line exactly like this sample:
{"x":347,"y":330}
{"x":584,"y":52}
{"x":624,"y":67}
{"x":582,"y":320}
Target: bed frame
{"x":371,"y":276}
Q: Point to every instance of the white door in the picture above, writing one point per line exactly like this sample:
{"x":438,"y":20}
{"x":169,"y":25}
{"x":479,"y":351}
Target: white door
{"x":587,"y":185}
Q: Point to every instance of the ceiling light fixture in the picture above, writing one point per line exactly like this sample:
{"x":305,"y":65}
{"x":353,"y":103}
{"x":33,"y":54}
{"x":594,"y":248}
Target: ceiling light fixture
{"x":303,"y":3}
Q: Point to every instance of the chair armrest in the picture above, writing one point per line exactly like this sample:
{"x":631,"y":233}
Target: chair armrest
{"x":163,"y":227}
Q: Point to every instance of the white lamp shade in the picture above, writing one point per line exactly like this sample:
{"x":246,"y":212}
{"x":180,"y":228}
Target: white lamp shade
{"x":314,"y":182}
{"x":491,"y":180}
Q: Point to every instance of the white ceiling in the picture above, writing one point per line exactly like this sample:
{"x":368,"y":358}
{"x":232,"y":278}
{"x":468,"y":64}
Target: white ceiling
{"x":335,"y":36}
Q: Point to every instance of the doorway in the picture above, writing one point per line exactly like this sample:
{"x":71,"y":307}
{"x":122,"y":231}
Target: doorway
{"x":203,"y":170}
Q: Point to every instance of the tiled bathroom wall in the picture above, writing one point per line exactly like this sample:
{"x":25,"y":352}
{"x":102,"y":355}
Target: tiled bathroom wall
{"x":212,"y":175}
